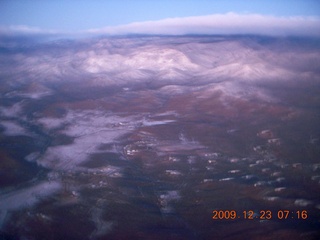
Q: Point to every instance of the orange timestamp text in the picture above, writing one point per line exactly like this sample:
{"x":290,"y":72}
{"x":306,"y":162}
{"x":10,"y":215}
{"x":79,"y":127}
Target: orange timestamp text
{"x":260,"y":215}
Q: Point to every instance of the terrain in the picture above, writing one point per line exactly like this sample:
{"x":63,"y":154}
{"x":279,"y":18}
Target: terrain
{"x":143,"y":137}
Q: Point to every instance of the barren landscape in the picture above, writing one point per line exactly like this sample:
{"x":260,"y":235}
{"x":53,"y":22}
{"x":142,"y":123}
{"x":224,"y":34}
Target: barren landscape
{"x":143,"y":137}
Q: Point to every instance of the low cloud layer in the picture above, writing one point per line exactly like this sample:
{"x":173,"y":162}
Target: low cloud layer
{"x":229,"y":23}
{"x":25,"y":30}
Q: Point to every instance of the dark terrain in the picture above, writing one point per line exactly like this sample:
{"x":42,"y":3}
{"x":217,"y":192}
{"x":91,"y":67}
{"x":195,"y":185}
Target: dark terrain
{"x":143,"y":137}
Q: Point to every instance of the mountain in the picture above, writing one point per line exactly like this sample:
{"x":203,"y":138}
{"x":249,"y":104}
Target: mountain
{"x":148,"y":136}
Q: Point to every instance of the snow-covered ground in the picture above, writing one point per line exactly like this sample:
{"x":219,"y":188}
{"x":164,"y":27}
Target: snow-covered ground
{"x":150,"y":122}
{"x":90,"y":129}
{"x":125,"y":60}
{"x":12,"y":128}
{"x":26,"y":197}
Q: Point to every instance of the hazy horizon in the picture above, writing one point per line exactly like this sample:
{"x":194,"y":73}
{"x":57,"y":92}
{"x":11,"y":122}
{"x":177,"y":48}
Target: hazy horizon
{"x":277,"y":18}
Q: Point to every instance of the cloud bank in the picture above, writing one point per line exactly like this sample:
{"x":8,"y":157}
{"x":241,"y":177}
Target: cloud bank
{"x":229,"y":23}
{"x":24,"y":30}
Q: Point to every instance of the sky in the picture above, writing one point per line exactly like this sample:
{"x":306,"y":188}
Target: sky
{"x":160,"y":16}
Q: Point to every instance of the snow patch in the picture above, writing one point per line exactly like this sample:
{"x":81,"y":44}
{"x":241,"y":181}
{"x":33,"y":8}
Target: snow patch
{"x":166,"y":200}
{"x":153,"y":123}
{"x":51,"y":123}
{"x":12,"y":111}
{"x":13,"y":129}
{"x":90,"y":129}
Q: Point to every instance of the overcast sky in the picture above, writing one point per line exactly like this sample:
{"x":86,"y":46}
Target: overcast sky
{"x":275,"y":17}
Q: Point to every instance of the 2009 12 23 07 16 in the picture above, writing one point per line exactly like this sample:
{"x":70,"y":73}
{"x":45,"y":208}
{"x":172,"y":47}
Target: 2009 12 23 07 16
{"x":261,"y":215}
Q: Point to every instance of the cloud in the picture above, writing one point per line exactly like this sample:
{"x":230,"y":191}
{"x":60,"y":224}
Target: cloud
{"x":230,"y":23}
{"x":24,"y":30}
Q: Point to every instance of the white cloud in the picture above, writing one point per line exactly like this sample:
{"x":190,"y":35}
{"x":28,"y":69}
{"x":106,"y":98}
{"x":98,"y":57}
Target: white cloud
{"x":230,"y":23}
